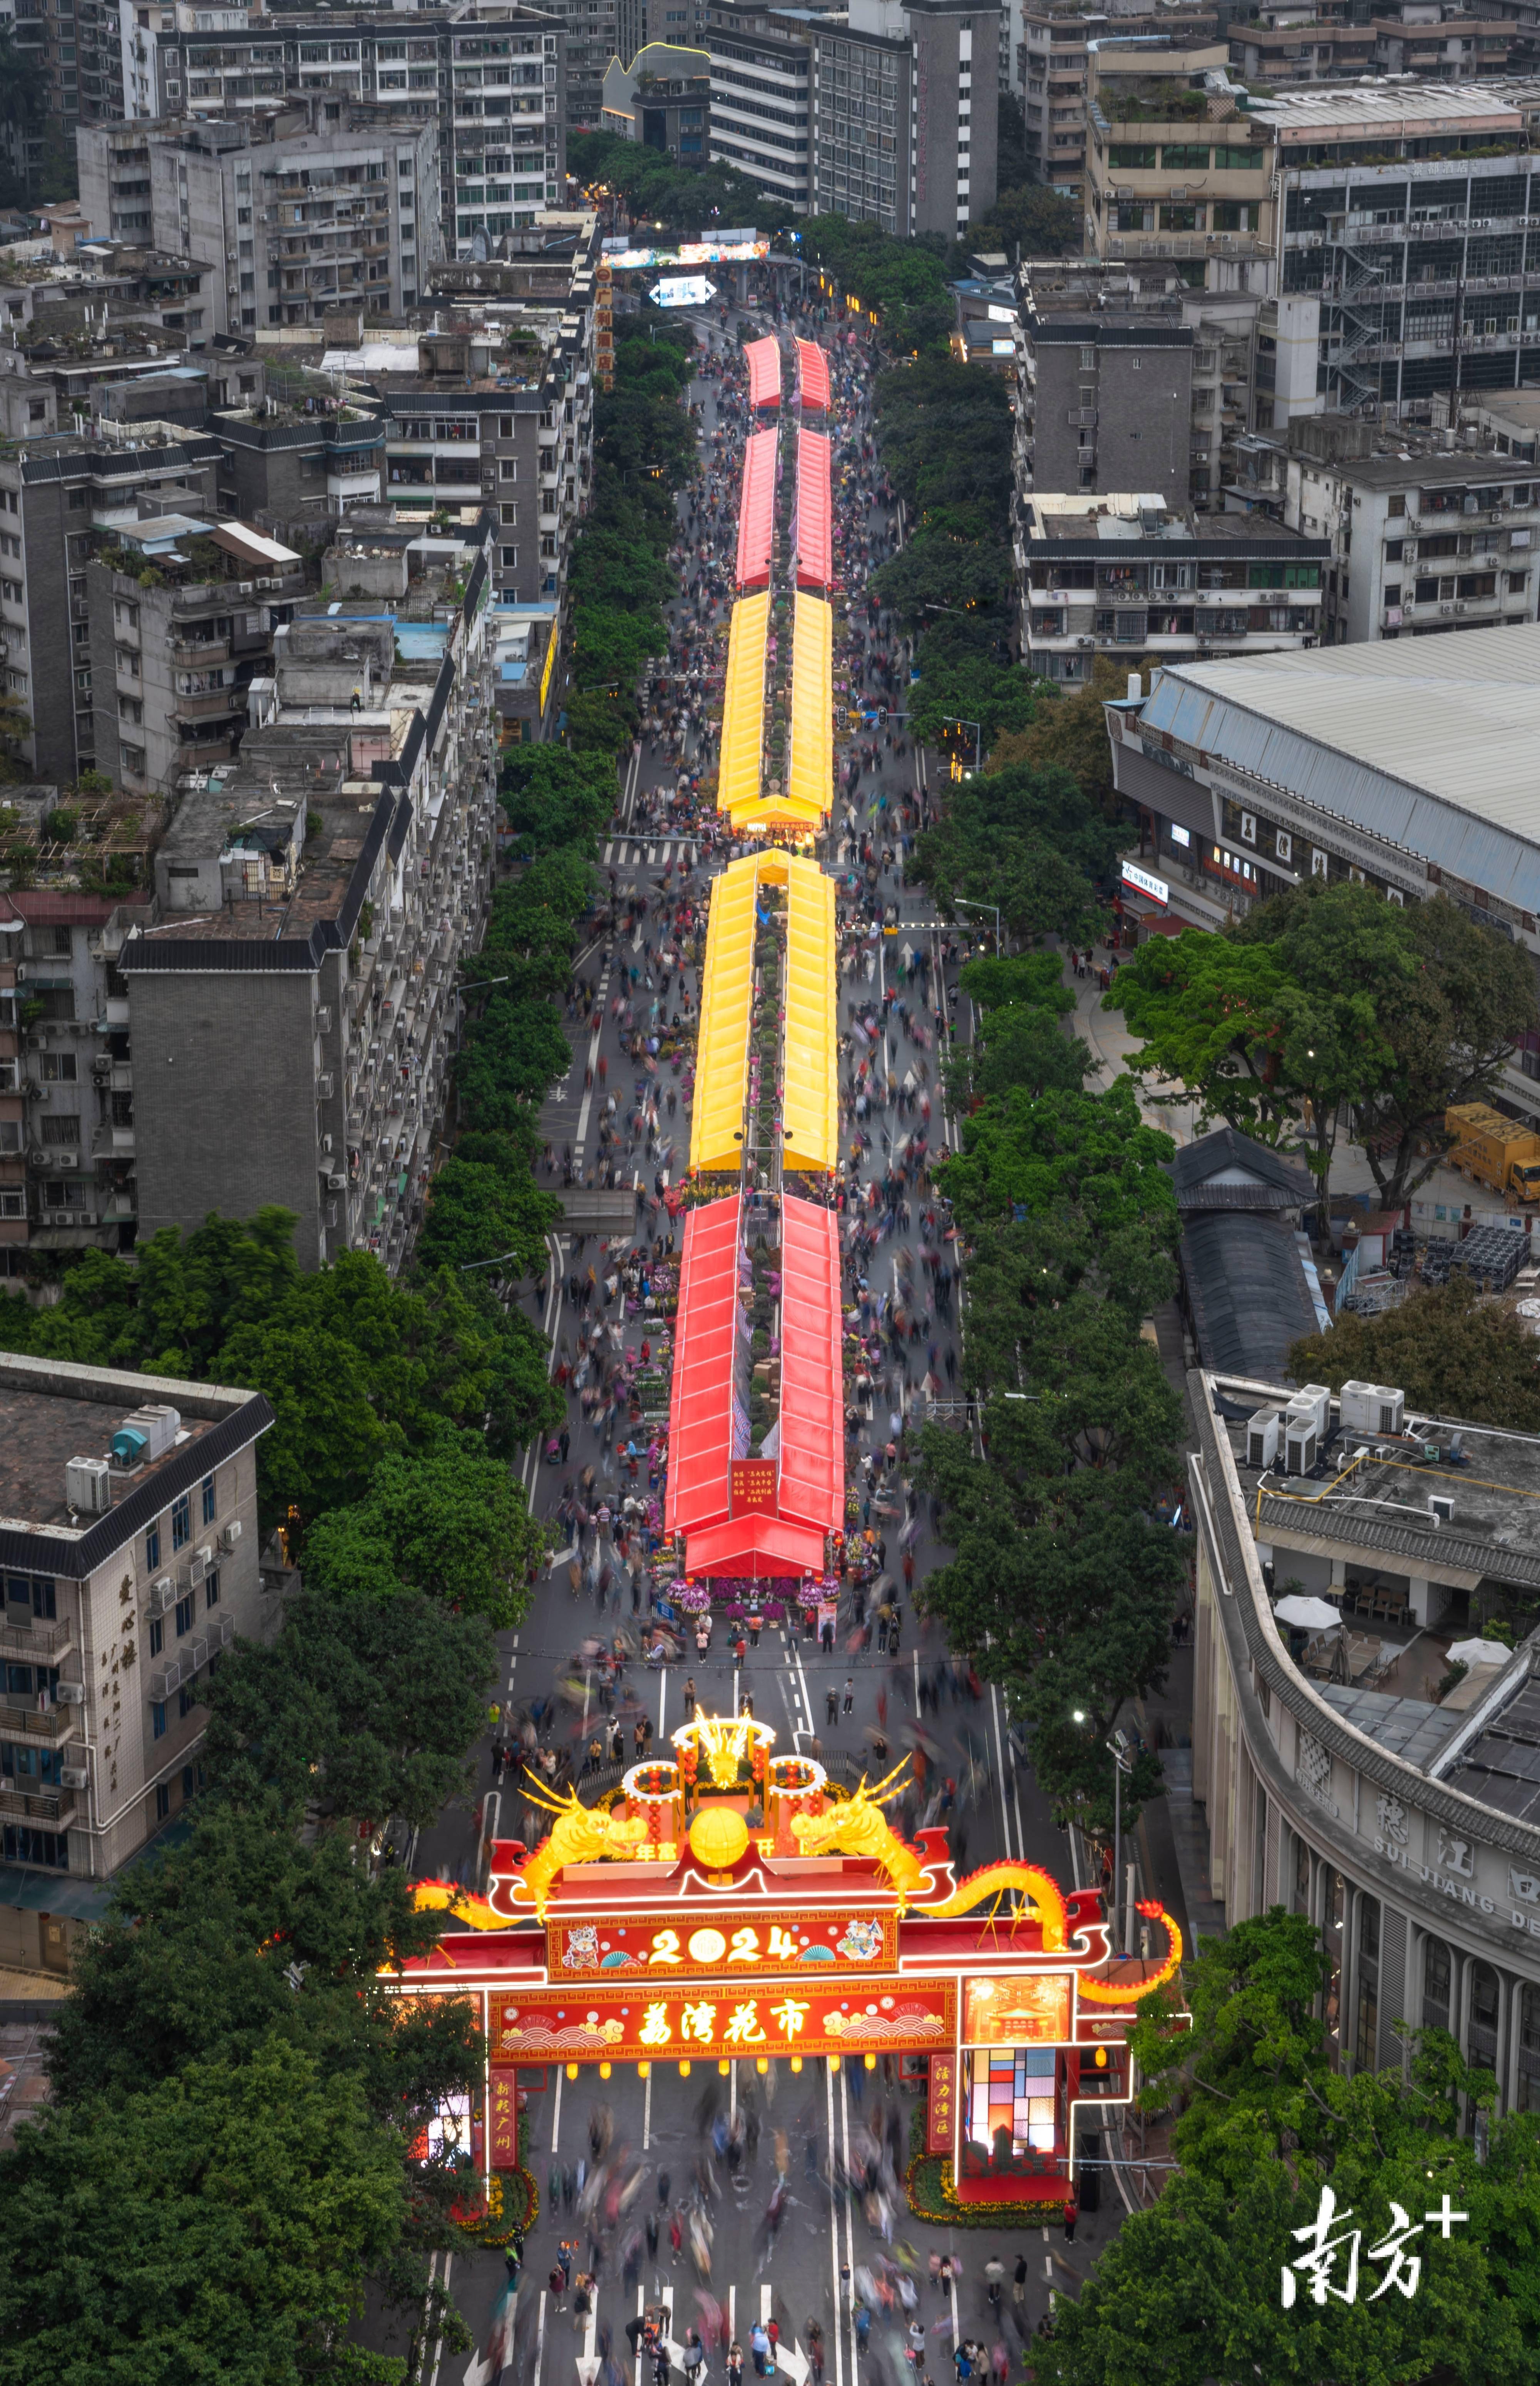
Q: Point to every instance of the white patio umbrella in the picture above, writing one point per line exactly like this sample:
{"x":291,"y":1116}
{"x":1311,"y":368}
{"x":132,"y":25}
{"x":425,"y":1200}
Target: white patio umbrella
{"x":1479,"y":1652}
{"x":1311,"y":1614}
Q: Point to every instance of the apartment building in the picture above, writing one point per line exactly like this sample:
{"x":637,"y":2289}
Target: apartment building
{"x":490,"y":77}
{"x":895,"y":137}
{"x":1419,"y":263}
{"x":593,"y":38}
{"x":1425,"y":538}
{"x":639,"y":22}
{"x":662,"y":100}
{"x":1337,"y":1782}
{"x":298,"y":460}
{"x":130,"y":1549}
{"x":181,"y":615}
{"x":1049,"y":74}
{"x":463,"y":430}
{"x":1176,"y":168}
{"x":290,"y":211}
{"x":1111,"y":403}
{"x":54,"y":490}
{"x":1125,"y":573}
{"x":761,"y":110}
{"x":67,"y":1153}
{"x":76,"y":49}
{"x":316,"y":902}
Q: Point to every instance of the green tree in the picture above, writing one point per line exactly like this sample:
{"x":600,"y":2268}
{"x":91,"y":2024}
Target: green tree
{"x":1454,"y":1355}
{"x":486,"y":1206}
{"x":246,"y":1934}
{"x":1069,"y":733}
{"x":552,"y":799}
{"x":444,"y":1520}
{"x":1090,"y":1152}
{"x":1190,"y":2290}
{"x":218,"y":2224}
{"x":370,"y":1701}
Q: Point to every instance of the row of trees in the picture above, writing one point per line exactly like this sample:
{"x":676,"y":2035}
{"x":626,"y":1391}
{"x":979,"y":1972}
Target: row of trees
{"x":1062,"y":1583}
{"x":235,"y":2145}
{"x":644,"y":452}
{"x":682,"y":201}
{"x":1263,"y":2121}
{"x":1325,"y":1004}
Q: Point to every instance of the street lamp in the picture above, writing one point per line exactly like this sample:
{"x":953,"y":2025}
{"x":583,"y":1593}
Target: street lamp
{"x":1123,"y":1761}
{"x":966,"y":903}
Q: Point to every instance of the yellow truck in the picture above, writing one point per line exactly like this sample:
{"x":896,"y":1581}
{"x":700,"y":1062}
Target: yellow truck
{"x":1495,"y":1151}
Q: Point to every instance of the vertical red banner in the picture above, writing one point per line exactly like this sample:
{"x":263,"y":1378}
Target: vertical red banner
{"x":941,"y":2131}
{"x":503,"y":2114}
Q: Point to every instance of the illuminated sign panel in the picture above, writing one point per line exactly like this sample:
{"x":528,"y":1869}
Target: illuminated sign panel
{"x":793,"y":1935}
{"x":1032,"y":2011}
{"x":886,"y":2015}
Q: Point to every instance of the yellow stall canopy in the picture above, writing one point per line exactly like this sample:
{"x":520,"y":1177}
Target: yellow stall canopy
{"x":726,"y":987}
{"x":811,"y":1137}
{"x":811,"y":778}
{"x":743,"y":706}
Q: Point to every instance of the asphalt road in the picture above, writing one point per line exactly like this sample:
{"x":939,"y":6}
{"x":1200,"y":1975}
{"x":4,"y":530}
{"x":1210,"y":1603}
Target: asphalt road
{"x":808,"y":2128}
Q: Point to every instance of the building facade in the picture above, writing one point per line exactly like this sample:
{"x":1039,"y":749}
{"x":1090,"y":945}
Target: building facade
{"x":291,"y":212}
{"x":662,"y":101}
{"x":1175,"y":169}
{"x":1406,"y":766}
{"x":896,"y":138}
{"x":66,"y":1128}
{"x":52,"y":491}
{"x":1121,"y":572}
{"x":761,"y":69}
{"x":1408,"y":1829}
{"x":300,"y":989}
{"x":491,"y":78}
{"x":115,"y":1612}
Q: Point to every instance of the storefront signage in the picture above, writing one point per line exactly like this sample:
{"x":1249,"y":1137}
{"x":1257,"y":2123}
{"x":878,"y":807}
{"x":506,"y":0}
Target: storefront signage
{"x":595,"y":1950}
{"x":941,"y":2120}
{"x":503,"y":2113}
{"x":751,"y":1485}
{"x":1156,"y":888}
{"x":1032,"y":2011}
{"x":731,"y":2017}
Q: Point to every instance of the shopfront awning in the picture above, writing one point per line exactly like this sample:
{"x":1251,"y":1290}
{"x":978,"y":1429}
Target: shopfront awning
{"x":722,"y":1048}
{"x":739,"y":766}
{"x":810,"y":1082}
{"x":813,"y":537}
{"x":764,"y":373}
{"x":809,"y":1499}
{"x":812,"y":377}
{"x":756,"y":509}
{"x":810,"y":773}
{"x":700,"y":1402}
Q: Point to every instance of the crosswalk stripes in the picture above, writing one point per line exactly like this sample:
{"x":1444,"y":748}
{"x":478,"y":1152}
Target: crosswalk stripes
{"x":621,"y":853}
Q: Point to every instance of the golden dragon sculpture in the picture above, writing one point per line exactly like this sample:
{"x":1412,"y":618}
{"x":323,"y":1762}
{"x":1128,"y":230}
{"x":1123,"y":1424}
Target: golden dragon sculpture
{"x":579,"y":1834}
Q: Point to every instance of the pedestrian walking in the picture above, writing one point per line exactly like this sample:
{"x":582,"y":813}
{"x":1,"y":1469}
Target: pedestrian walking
{"x":847,"y":1704}
{"x":1072,"y":2214}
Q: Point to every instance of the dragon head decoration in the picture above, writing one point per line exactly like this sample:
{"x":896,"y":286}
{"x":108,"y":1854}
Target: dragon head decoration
{"x":858,"y":1827}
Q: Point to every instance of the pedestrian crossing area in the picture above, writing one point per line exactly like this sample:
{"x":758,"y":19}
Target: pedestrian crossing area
{"x":626,"y":853}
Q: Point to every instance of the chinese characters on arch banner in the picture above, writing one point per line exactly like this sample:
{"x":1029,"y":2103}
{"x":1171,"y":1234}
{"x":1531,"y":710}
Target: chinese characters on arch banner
{"x":762,"y":2017}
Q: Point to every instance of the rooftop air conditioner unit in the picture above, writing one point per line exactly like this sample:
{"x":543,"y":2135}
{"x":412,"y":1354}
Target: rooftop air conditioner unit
{"x":229,"y":1534}
{"x":1313,"y":1401}
{"x":69,"y":1694}
{"x":335,"y":1180}
{"x":1299,"y":1445}
{"x":88,"y":1486}
{"x":1261,"y":1440}
{"x":245,"y":587}
{"x":75,"y":1777}
{"x":1441,"y":1509}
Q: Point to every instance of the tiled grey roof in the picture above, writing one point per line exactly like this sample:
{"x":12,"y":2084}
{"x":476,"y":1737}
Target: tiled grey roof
{"x":1409,"y":1727}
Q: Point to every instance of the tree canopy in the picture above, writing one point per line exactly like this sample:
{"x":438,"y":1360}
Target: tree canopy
{"x":443,"y":1519}
{"x":1453,"y":1354}
{"x":1191,"y":2290}
{"x":1328,"y":996}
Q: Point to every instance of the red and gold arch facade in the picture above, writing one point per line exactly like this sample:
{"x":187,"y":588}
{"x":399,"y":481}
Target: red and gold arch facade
{"x":733,"y":1906}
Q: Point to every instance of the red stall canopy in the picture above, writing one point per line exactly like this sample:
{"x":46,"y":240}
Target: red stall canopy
{"x":700,"y":1404}
{"x":813,"y":376}
{"x":756,"y":509}
{"x":764,"y":373}
{"x":814,"y":539}
{"x":788,"y":1537}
